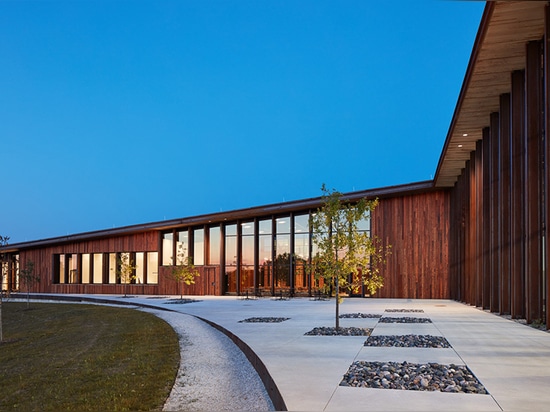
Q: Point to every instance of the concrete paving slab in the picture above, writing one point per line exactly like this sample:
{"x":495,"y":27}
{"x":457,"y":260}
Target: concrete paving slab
{"x":511,"y":360}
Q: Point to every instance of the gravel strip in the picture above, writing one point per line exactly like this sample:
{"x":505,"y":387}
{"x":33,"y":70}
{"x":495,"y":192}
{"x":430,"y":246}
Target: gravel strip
{"x":408,"y":341}
{"x":214,"y":374}
{"x":406,"y":319}
{"x":412,"y":376}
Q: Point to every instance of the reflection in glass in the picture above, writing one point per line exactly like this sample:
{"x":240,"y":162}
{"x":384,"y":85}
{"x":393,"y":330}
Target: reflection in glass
{"x":283,"y":224}
{"x":98,"y":268}
{"x":231,"y":258}
{"x":140,"y":266}
{"x":214,"y":245}
{"x":152,"y":267}
{"x":265,"y":249}
{"x":265,"y":226}
{"x":198,"y":247}
{"x":182,"y":247}
{"x":85,"y":268}
{"x":167,"y":249}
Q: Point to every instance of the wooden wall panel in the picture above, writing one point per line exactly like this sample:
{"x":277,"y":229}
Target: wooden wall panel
{"x":546,"y":152}
{"x":417,"y":228}
{"x":504,"y":204}
{"x":139,"y":242}
{"x":479,"y":224}
{"x":494,"y":248}
{"x":533,"y":193}
{"x":517,"y":212}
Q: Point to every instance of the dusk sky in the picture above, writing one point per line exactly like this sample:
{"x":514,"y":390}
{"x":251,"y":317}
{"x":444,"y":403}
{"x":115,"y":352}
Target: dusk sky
{"x":114,"y":113}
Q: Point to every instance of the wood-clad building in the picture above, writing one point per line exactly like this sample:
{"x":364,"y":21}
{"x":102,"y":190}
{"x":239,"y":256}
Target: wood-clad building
{"x":476,"y":233}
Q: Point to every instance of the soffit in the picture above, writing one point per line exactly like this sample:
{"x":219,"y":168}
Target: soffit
{"x":499,"y":50}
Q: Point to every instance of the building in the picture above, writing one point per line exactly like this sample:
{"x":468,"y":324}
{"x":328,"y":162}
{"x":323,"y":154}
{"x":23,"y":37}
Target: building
{"x":476,"y":233}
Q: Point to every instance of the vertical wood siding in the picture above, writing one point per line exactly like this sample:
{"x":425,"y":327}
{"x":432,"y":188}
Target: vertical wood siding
{"x":511,"y":193}
{"x":417,"y":228}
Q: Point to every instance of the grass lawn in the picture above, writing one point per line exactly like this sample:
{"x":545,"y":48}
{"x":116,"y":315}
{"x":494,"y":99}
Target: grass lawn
{"x":58,"y":357}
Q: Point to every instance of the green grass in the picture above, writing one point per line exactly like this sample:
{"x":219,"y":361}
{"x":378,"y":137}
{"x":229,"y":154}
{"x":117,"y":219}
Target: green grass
{"x":58,"y":357}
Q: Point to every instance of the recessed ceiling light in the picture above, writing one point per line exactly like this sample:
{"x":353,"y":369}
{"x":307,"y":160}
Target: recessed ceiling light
{"x":464,"y":134}
{"x":459,"y":145}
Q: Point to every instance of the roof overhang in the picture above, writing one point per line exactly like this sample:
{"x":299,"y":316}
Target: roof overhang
{"x":499,"y":49}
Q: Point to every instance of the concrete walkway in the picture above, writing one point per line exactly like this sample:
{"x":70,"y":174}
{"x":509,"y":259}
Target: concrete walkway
{"x":511,"y":360}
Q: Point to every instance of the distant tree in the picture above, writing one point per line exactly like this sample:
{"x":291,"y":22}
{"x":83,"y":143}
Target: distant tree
{"x":184,"y":272}
{"x":28,"y":278}
{"x":126,"y":271}
{"x":3,"y":242}
{"x":346,"y":256}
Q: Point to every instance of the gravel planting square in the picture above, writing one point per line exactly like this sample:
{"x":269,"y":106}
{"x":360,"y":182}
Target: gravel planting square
{"x":408,"y":341}
{"x":264,"y":320}
{"x":359,"y":316}
{"x":412,"y":376}
{"x":332,"y":331}
{"x":405,"y":319}
{"x":405,"y":310}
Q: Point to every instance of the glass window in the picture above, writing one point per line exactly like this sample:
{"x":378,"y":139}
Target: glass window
{"x":182,"y":247}
{"x":152,"y":267}
{"x":167,"y":249}
{"x":265,"y":250}
{"x":364,"y":225}
{"x":198,"y":247}
{"x":112,"y":268}
{"x":301,"y":224}
{"x":265,"y":226}
{"x":62,"y":269}
{"x":73,"y":272}
{"x":97,"y":276}
{"x":283,"y":224}
{"x":248,"y":250}
{"x":86,"y":268}
{"x":247,"y":228}
{"x":140,"y":266}
{"x":214,"y":245}
{"x":231,"y":258}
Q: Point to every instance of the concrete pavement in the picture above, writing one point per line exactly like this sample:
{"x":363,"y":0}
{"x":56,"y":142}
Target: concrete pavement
{"x":511,"y":360}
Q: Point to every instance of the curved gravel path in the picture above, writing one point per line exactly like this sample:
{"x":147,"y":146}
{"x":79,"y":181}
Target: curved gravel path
{"x":214,"y":374}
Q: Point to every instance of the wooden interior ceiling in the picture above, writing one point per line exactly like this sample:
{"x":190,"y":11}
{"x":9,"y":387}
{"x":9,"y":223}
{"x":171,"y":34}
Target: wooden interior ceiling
{"x":499,"y":49}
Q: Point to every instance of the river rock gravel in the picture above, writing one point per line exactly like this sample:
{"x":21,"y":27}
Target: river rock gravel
{"x":412,"y":376}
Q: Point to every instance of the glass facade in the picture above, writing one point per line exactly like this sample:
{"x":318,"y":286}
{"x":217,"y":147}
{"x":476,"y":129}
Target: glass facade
{"x":270,"y":254}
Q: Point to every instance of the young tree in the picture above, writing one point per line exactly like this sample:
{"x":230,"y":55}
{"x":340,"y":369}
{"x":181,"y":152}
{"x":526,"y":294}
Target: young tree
{"x":126,"y":271}
{"x":184,"y":272}
{"x":3,"y":242}
{"x":28,"y":278}
{"x":346,"y":256}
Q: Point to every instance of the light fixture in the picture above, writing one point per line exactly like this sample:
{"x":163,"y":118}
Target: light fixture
{"x":464,"y":134}
{"x":459,"y":145}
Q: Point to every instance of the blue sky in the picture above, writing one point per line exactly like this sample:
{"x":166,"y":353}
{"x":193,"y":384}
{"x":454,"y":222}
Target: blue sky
{"x":115,"y":113}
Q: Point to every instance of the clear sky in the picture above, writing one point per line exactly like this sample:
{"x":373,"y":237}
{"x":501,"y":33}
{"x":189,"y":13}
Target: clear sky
{"x":115,"y":113}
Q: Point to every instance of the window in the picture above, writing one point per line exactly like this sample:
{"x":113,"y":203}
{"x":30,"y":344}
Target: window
{"x":247,"y":256}
{"x":167,"y":249}
{"x":265,"y":242}
{"x":97,"y":275}
{"x":152,"y":267}
{"x":86,"y":268}
{"x":198,"y":247}
{"x":112,"y":268}
{"x":140,"y":267}
{"x":182,"y":247}
{"x":214,"y":245}
{"x":231,"y":258}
